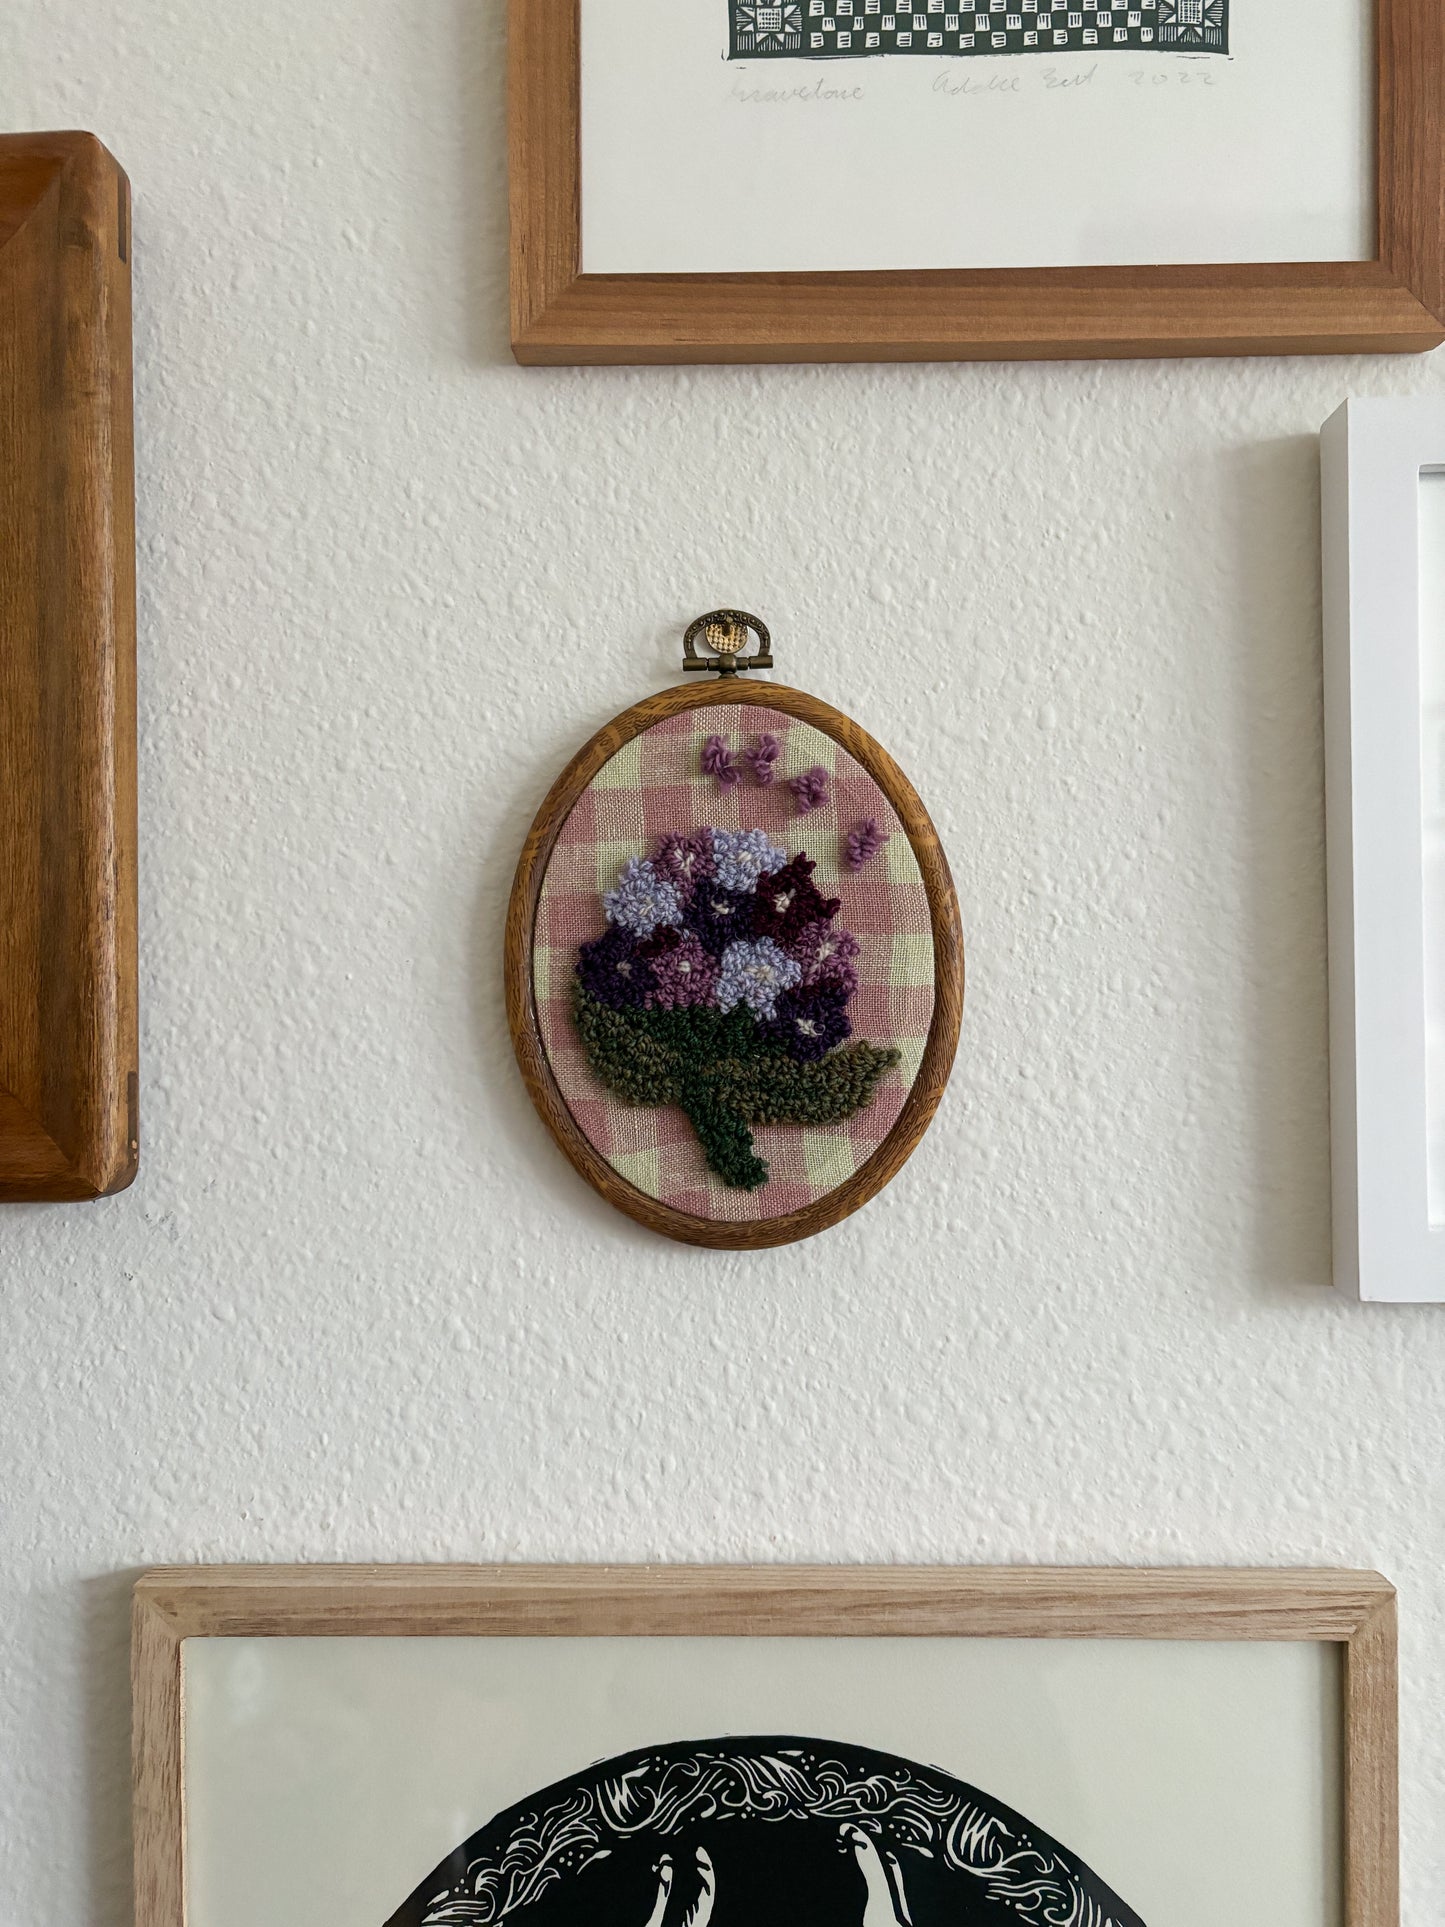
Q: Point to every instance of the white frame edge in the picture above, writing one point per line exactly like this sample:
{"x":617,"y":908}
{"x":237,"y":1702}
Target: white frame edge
{"x":1373,"y":453}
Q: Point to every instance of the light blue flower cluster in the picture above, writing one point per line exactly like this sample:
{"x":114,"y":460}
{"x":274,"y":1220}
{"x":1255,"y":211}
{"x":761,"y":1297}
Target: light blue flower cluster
{"x":755,"y":974}
{"x":642,"y":900}
{"x":742,"y":856}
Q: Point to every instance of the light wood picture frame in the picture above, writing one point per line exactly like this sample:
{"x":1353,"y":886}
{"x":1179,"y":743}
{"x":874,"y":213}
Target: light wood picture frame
{"x":68,"y":968}
{"x":1393,"y":302}
{"x":1351,"y":1611}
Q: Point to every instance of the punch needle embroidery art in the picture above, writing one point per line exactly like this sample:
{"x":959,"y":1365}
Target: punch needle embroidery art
{"x":735,"y":1029}
{"x":856,"y":29}
{"x":722,"y":985}
{"x":775,"y":1832}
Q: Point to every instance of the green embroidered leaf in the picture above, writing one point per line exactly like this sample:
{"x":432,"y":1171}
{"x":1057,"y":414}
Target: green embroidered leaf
{"x":634,"y":1065}
{"x":772,"y":1088}
{"x":717,"y":1066}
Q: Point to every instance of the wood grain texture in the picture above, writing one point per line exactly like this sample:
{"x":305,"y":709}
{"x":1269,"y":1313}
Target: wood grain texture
{"x":1372,"y":1771}
{"x":1410,"y":136}
{"x":1354,"y":1610}
{"x":927,"y":1090}
{"x":983,"y":1602}
{"x":68,"y":1045}
{"x":544,"y":79}
{"x":1393,"y":304}
{"x":158,"y":1815}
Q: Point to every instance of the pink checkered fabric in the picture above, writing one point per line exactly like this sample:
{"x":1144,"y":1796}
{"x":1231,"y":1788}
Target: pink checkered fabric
{"x":654,"y":784}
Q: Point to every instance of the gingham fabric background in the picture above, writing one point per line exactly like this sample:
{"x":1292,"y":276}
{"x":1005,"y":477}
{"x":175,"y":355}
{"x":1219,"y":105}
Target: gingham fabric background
{"x":654,"y":785}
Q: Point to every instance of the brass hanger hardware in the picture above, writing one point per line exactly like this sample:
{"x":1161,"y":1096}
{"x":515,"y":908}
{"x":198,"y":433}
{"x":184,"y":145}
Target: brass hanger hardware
{"x":725,"y":633}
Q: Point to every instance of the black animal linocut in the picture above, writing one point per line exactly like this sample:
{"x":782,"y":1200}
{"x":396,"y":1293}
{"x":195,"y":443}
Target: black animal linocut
{"x":850,"y":29}
{"x":762,"y":1833}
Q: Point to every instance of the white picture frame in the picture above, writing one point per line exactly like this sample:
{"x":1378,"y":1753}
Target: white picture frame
{"x":1374,"y":453}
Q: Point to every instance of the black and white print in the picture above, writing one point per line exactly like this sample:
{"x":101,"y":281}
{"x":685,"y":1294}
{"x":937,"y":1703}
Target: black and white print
{"x":771,"y":1832}
{"x":854,"y":29}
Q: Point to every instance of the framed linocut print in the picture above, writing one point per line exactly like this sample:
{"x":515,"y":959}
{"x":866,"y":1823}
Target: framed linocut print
{"x":839,"y":180}
{"x":734,"y":968}
{"x":767,"y":1748}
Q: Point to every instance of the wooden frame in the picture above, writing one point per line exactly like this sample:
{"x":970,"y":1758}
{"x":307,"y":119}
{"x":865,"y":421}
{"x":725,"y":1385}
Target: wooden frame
{"x":1373,"y":455}
{"x":68,"y":1050}
{"x":1392,"y":304}
{"x":1353,"y":1610}
{"x":927,"y":1090}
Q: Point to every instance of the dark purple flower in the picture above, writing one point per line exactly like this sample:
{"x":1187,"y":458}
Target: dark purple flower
{"x":614,"y":971}
{"x":683,"y":974}
{"x":660,"y":942}
{"x":860,"y":846}
{"x":809,"y":1021}
{"x":810,"y":791}
{"x":828,"y":956}
{"x":719,"y":917}
{"x":683,"y":858}
{"x":719,"y":761}
{"x":788,"y":901}
{"x":762,"y":759}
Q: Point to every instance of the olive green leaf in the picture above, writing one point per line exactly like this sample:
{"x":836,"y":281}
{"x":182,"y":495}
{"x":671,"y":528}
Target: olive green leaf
{"x":725,"y":1075}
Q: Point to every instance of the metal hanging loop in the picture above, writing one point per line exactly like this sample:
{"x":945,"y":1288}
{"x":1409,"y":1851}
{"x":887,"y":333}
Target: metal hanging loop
{"x":725,"y":633}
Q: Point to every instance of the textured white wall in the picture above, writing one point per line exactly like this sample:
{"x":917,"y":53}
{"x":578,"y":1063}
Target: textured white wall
{"x":357,"y":1306}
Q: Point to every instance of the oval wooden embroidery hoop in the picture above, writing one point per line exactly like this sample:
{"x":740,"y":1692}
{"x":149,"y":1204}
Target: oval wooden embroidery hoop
{"x":927,"y":1088}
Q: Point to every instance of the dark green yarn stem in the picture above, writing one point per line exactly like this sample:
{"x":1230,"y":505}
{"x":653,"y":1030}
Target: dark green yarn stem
{"x":726,"y":1141}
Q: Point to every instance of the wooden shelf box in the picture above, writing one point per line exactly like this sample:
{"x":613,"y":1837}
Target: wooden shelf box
{"x":68,"y":1058}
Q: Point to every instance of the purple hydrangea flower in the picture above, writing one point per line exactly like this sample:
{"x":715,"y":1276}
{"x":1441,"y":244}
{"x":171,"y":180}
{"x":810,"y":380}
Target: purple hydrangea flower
{"x":828,"y":956}
{"x":810,"y":1020}
{"x":755,"y":974}
{"x":642,"y":899}
{"x":683,"y":974}
{"x":683,"y":859}
{"x":708,"y":1009}
{"x":742,"y":856}
{"x":614,"y":971}
{"x":719,"y":917}
{"x":788,"y":902}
